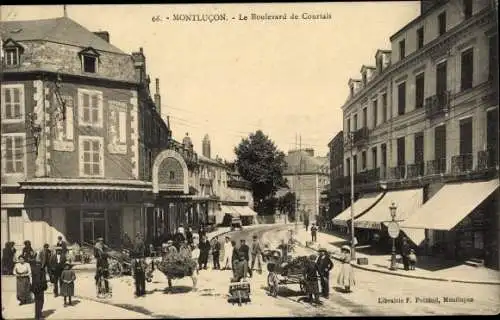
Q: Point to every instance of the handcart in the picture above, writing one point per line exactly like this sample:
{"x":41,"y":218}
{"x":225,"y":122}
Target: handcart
{"x":239,"y":292}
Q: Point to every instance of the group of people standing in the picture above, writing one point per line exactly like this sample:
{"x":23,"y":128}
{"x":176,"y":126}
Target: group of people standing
{"x":32,"y":269}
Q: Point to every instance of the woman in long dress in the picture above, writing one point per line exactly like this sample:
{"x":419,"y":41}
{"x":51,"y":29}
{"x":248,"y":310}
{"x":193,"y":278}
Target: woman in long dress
{"x":22,"y":271}
{"x":346,"y":278}
{"x":68,"y":278}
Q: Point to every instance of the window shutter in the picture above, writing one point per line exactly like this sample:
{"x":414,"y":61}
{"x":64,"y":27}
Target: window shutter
{"x":69,"y":123}
{"x":122,"y":125}
{"x":100,"y":108}
{"x":80,"y":109}
{"x":4,"y":148}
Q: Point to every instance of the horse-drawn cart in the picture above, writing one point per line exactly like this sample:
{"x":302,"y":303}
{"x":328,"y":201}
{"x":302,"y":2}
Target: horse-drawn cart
{"x":284,"y":272}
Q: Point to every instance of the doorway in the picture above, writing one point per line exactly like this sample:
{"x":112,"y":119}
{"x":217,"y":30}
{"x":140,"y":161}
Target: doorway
{"x":94,"y":226}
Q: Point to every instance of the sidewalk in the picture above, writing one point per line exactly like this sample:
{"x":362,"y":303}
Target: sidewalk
{"x":428,"y":268}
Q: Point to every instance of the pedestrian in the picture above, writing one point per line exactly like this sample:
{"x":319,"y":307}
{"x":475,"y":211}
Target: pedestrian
{"x":99,"y":248}
{"x":256,"y":254}
{"x":68,"y":278}
{"x":139,"y":274}
{"x":61,"y":243}
{"x":245,"y":249}
{"x":283,"y":247}
{"x":202,"y":231}
{"x":412,"y":259}
{"x":102,"y":275}
{"x":346,"y":276}
{"x":139,"y":246}
{"x":228,"y":252}
{"x":45,"y":256}
{"x":126,"y":241}
{"x":7,"y":259}
{"x":179,"y":237}
{"x":216,"y":253}
{"x":240,"y":269}
{"x":405,"y":252}
{"x":38,"y":287}
{"x":306,"y":222}
{"x":311,"y":279}
{"x":325,"y":265}
{"x":314,"y":232}
{"x":234,"y":256}
{"x":22,"y":271}
{"x":189,"y":235}
{"x":195,"y":255}
{"x":56,"y":264}
{"x":204,"y":247}
{"x":28,"y":253}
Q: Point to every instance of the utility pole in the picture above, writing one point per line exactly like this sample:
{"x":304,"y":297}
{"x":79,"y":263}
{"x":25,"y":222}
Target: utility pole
{"x":351,"y":145}
{"x":298,"y":184}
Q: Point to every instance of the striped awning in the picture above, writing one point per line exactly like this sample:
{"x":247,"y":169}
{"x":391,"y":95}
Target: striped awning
{"x":85,"y":184}
{"x":229,"y":210}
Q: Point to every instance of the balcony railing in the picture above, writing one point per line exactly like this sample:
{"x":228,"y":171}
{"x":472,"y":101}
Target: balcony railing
{"x":241,"y":184}
{"x":461,"y":163}
{"x":360,"y":136}
{"x":437,"y":104}
{"x":396,"y":173}
{"x":487,"y":159}
{"x":415,"y":170}
{"x":437,"y":166}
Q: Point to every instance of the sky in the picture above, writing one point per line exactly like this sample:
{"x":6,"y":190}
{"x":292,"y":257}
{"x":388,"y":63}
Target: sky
{"x":227,"y":79}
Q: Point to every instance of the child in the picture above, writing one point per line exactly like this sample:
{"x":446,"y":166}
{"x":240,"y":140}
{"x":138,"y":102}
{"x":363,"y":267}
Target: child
{"x":272,"y":280}
{"x":412,"y":257}
{"x":68,"y":278}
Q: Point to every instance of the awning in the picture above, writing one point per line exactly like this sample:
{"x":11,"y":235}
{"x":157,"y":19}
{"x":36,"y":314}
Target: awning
{"x":240,"y":210}
{"x":360,"y":205}
{"x":406,"y":201}
{"x":229,"y":210}
{"x":450,"y":205}
{"x":247,"y":211}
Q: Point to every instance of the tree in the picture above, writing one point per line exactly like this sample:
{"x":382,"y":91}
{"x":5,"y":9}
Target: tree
{"x":259,"y":161}
{"x":288,"y":204}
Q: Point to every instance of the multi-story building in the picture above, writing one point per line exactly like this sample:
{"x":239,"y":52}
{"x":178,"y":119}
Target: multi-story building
{"x":421,"y":130}
{"x":307,"y":177}
{"x":75,"y":149}
{"x":336,"y":157}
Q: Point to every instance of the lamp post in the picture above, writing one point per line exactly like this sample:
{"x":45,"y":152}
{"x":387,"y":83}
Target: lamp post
{"x":393,"y":230}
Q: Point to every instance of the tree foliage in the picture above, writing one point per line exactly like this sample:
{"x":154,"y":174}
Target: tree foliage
{"x":259,"y":161}
{"x":287,"y":204}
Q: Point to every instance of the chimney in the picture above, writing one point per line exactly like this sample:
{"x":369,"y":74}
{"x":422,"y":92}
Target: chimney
{"x":157,"y":96}
{"x":140,"y":65}
{"x":103,"y":35}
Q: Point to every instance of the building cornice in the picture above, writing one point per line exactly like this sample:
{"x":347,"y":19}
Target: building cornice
{"x":432,"y":49}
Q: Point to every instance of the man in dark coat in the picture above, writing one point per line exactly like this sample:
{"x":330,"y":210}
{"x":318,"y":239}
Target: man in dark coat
{"x":204,"y":247}
{"x":139,"y":273}
{"x":216,"y":253}
{"x":38,"y":287}
{"x":61,"y":243}
{"x":45,"y":256}
{"x":56,"y":264}
{"x":311,"y":279}
{"x":324,"y":265}
{"x":189,"y":235}
{"x":405,"y":252}
{"x":245,"y":250}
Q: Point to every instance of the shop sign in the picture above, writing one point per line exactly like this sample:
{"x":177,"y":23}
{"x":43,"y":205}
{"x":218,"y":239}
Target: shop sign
{"x":91,"y":196}
{"x":393,"y":229}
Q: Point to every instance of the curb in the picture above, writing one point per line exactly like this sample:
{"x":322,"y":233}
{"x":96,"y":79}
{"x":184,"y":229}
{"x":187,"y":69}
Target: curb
{"x":413,"y":276}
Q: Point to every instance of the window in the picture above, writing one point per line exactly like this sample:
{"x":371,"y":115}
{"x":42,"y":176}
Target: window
{"x":12,"y":103}
{"x":401,"y":159}
{"x":419,"y":151}
{"x":375,"y":113}
{"x":355,"y":164}
{"x":91,"y":156}
{"x":348,"y":125}
{"x":90,"y":108}
{"x":374,"y":157}
{"x":365,"y":117}
{"x":440,"y":148}
{"x":419,"y":90}
{"x":493,"y":57}
{"x":355,"y":124}
{"x":441,"y":78}
{"x":402,"y":49}
{"x":363,"y":160}
{"x":401,"y":98}
{"x":442,"y":23}
{"x":466,"y":136}
{"x":467,"y":8}
{"x":420,"y":38}
{"x":89,"y":64}
{"x":12,"y":56}
{"x":384,"y":107}
{"x":467,"y":69}
{"x":13,"y":153}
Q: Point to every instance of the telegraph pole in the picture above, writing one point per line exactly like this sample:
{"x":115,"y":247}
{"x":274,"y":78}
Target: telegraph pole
{"x":298,"y":184}
{"x":351,"y":145}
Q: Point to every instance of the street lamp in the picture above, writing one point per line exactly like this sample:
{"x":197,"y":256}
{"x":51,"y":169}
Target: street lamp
{"x":393,"y":230}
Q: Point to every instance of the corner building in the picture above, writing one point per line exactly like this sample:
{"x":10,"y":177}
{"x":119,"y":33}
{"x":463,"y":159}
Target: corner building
{"x":421,"y":130}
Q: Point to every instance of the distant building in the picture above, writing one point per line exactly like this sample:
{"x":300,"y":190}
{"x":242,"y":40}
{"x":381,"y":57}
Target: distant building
{"x":307,"y":176}
{"x":206,"y":146}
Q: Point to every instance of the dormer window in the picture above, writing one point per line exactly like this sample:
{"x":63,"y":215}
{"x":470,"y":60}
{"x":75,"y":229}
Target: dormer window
{"x":12,"y":52}
{"x":90,"y":60}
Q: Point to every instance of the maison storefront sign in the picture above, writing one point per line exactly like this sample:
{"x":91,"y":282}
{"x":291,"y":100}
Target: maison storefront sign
{"x":91,"y":196}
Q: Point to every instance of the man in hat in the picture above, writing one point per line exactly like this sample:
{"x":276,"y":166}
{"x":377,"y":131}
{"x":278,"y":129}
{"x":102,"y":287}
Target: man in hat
{"x":314,"y":232}
{"x":99,"y":248}
{"x":38,"y":286}
{"x":311,"y":279}
{"x":56,"y":264}
{"x":245,"y":250}
{"x":139,"y":274}
{"x":324,"y":265}
{"x":256,"y":253}
{"x":240,"y":269}
{"x":45,"y":255}
{"x":61,"y":243}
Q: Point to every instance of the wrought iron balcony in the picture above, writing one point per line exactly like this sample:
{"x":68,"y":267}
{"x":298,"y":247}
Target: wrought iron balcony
{"x":437,"y":104}
{"x":437,"y":166}
{"x":241,"y":184}
{"x":487,"y":159}
{"x":415,"y":170}
{"x":461,"y":163}
{"x":397,"y":173}
{"x":360,"y":136}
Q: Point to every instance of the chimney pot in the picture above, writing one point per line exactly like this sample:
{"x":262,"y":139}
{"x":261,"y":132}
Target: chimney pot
{"x":157,"y":86}
{"x":140,"y":50}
